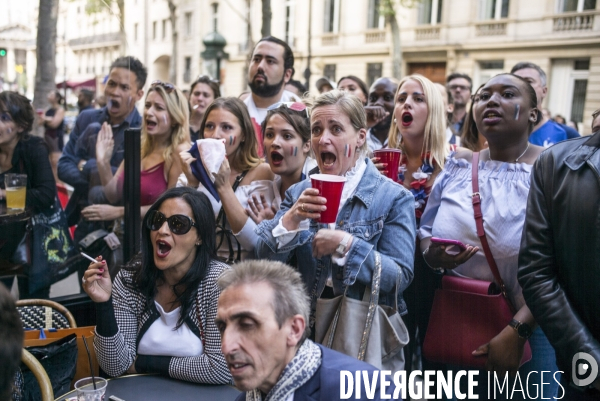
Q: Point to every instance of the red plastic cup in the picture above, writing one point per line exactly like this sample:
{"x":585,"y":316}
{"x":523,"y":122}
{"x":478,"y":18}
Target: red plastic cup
{"x":330,"y":187}
{"x":392,"y":158}
{"x":40,"y":112}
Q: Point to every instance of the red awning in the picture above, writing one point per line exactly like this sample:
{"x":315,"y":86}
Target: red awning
{"x":89,"y":84}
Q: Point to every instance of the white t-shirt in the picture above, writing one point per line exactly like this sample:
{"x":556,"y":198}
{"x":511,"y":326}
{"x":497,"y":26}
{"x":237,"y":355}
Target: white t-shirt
{"x":162,"y":339}
{"x":258,"y":114}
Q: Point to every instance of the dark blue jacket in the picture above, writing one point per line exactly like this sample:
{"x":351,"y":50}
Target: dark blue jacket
{"x":324,"y":385}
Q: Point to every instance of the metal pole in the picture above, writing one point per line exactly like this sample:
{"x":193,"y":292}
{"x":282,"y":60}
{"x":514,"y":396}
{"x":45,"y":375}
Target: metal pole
{"x":131,"y":194}
{"x":307,"y":72}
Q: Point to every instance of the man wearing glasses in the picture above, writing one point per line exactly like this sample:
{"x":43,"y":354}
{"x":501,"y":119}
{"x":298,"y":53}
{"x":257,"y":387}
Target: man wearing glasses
{"x":459,"y":86}
{"x":558,"y":260}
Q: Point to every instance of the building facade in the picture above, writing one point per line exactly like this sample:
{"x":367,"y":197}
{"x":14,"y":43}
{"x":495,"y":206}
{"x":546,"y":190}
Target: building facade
{"x":477,"y":37}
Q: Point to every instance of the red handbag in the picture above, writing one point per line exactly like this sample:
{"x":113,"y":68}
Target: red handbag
{"x":468,"y":313}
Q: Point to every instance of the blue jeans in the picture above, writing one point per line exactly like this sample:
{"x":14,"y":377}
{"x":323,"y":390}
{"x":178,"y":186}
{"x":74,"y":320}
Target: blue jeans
{"x":543,"y":359}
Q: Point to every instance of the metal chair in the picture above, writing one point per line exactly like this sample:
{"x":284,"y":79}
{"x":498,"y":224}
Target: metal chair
{"x":40,"y":374}
{"x":43,"y":313}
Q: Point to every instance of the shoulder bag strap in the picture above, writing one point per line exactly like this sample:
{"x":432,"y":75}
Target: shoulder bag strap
{"x":476,"y":198}
{"x":373,"y":303}
{"x":222,"y":222}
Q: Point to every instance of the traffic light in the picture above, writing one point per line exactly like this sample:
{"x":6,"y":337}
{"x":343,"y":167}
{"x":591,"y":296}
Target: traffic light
{"x":2,"y":52}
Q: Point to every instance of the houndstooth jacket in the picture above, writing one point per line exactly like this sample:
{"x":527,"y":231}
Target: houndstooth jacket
{"x":123,"y":322}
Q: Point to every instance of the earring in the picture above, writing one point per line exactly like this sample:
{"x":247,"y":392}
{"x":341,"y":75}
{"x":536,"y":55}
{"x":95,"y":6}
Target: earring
{"x":395,"y":121}
{"x":198,"y":243}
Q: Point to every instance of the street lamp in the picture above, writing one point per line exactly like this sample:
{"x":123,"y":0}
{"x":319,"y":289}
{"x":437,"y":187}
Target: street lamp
{"x":214,"y":44}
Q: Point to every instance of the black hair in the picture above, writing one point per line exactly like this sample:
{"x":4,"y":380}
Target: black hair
{"x":288,"y":54}
{"x":59,"y":98}
{"x":87,"y":94}
{"x":20,"y":110}
{"x":134,"y":65}
{"x":11,"y":346}
{"x":147,"y":277}
{"x":532,"y":97}
{"x":527,"y":64}
{"x":212,"y":83}
{"x":361,"y":84}
{"x":298,"y":85}
{"x":469,"y":135}
{"x":455,"y":75}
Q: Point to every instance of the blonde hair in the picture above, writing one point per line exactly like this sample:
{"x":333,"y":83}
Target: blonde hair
{"x":178,"y":109}
{"x":434,"y":140}
{"x":348,"y":104}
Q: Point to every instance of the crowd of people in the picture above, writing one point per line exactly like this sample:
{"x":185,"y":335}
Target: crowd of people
{"x":227,"y":283}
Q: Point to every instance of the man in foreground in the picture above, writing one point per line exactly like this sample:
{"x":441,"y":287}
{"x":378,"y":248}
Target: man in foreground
{"x":262,"y":315}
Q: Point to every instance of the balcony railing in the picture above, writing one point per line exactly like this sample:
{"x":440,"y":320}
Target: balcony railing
{"x":330,"y":39}
{"x":377,"y":36}
{"x":573,"y":22}
{"x":490,"y":29}
{"x":427,"y":33}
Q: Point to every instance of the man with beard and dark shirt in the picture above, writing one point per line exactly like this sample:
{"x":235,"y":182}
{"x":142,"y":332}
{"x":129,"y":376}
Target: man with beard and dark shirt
{"x":271,"y":68}
{"x":379,"y":109}
{"x":77,"y":165}
{"x":85,"y":100}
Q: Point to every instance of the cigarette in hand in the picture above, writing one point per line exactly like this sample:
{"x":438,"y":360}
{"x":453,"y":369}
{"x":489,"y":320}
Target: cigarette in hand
{"x":88,"y":257}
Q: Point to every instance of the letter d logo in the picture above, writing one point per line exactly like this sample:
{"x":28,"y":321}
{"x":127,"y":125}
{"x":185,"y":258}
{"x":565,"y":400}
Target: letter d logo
{"x":587,"y":370}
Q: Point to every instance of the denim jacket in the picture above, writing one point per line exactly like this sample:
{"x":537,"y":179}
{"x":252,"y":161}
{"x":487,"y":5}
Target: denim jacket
{"x":381,"y":217}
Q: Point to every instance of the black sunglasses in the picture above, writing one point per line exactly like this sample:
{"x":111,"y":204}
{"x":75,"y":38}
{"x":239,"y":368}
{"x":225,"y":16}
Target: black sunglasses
{"x":179,"y":224}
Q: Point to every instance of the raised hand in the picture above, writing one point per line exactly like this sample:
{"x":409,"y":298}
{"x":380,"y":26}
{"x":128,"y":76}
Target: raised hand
{"x":96,"y":281}
{"x":259,"y":210}
{"x":105,"y":144}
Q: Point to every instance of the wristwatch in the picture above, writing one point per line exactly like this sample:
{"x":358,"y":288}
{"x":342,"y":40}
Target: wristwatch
{"x":523,"y":329}
{"x":342,"y":247}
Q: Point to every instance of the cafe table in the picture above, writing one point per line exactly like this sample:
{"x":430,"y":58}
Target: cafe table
{"x":160,"y":388}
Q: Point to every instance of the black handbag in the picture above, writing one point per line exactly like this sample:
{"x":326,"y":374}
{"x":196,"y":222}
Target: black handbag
{"x":59,"y":360}
{"x":97,"y":243}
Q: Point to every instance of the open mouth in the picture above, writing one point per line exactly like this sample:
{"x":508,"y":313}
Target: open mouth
{"x":162,"y":249}
{"x":151,"y":124}
{"x":407,"y":119}
{"x":237,"y":368}
{"x":490,"y":114}
{"x":328,"y":159}
{"x":113,"y":104}
{"x":276,"y":158}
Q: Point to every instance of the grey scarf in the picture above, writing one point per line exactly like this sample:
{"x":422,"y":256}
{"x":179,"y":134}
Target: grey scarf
{"x":300,"y":369}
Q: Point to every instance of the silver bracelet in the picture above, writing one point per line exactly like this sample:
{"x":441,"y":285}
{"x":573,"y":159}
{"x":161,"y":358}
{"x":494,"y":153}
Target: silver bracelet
{"x":435,"y":269}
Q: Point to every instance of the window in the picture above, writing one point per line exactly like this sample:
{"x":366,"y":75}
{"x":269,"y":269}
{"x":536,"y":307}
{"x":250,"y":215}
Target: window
{"x":329,"y":72}
{"x":493,"y":9}
{"x":164,"y":29}
{"x":578,"y":104}
{"x":289,"y":22}
{"x":135,"y":32}
{"x":565,"y":6}
{"x":486,"y":70}
{"x":331,"y":16}
{"x":375,"y":21}
{"x":154,"y":30}
{"x":188,"y":24}
{"x":187,"y":72}
{"x":567,"y":88}
{"x":430,"y":12}
{"x":373,"y":72}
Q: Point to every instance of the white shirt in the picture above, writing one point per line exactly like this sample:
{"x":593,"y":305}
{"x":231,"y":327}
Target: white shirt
{"x":162,"y":338}
{"x":258,"y":114}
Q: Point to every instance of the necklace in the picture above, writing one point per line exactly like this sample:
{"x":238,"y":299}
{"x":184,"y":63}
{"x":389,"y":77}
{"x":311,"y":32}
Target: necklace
{"x":525,"y":151}
{"x":516,"y":160}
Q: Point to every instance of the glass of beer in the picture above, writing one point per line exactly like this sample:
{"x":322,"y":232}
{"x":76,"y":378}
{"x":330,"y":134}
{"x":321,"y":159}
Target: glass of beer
{"x":15,"y":185}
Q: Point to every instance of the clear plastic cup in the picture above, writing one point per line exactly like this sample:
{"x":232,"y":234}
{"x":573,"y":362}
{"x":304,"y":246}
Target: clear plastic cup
{"x":16,"y":190}
{"x":86,"y":392}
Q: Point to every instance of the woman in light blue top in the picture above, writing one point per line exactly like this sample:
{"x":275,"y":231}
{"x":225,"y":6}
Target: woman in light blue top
{"x":505,"y":112}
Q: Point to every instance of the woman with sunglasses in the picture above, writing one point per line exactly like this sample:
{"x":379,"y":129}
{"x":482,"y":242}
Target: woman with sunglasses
{"x":202,"y":93}
{"x":165,"y":133}
{"x":159,"y":314}
{"x":242,"y":174}
{"x":286,"y":143}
